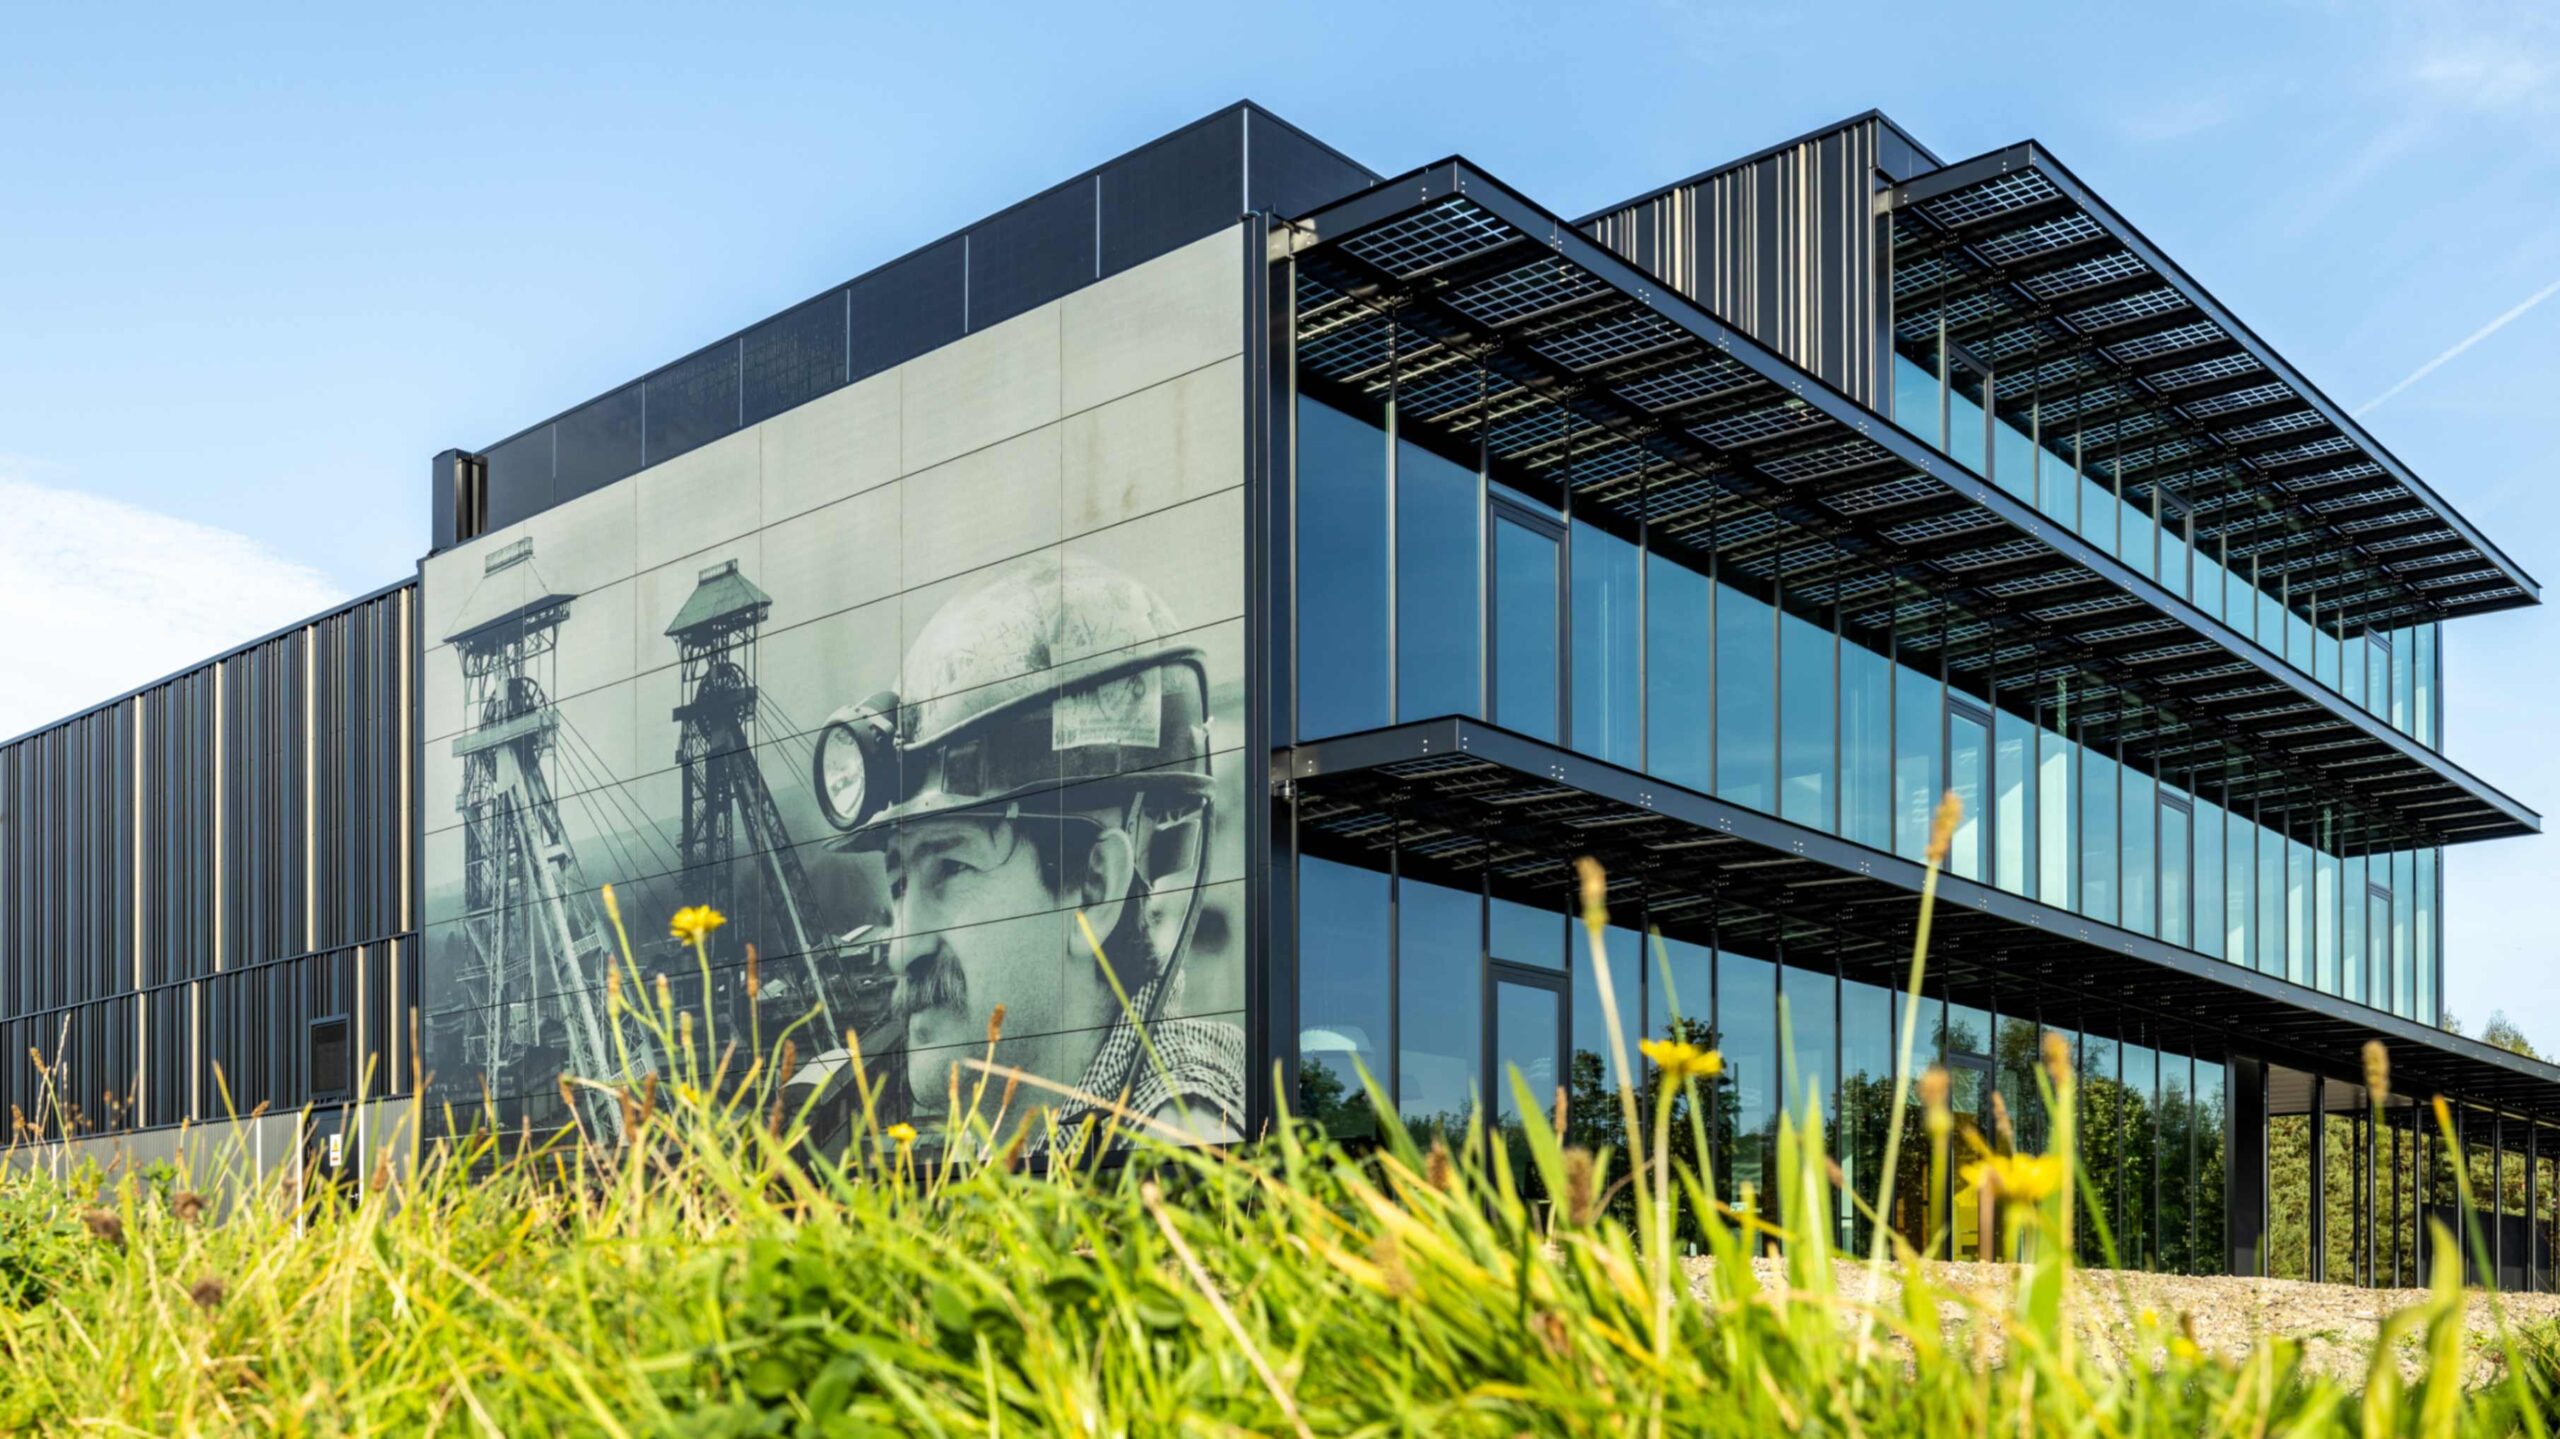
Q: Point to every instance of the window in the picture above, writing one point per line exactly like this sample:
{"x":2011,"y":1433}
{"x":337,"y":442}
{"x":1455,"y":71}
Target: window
{"x":2403,"y":680}
{"x":1525,"y":934}
{"x":1805,"y":719}
{"x":2140,"y":861}
{"x":1605,"y":693}
{"x":1916,"y":720}
{"x":1439,"y":1018}
{"x":1679,"y":666}
{"x":1342,"y":572}
{"x":1915,"y":402}
{"x":1967,"y":756}
{"x":2324,"y":923}
{"x":1966,"y":431}
{"x":2297,"y":910}
{"x":2098,"y":836}
{"x":2271,"y":898}
{"x":1594,"y":1067}
{"x":2057,"y":822}
{"x":1746,"y":1032}
{"x":2211,"y":926}
{"x":2013,"y":824}
{"x":2355,"y":955}
{"x":1343,"y":997}
{"x":2423,"y":921}
{"x":1439,"y":505}
{"x":1746,"y":709}
{"x":2174,"y":817}
{"x":1866,"y":745}
{"x":2422,"y":700}
{"x":1524,"y":625}
{"x":1681,"y":988}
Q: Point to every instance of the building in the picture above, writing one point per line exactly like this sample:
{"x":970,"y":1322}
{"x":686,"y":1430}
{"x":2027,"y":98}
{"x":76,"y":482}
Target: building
{"x":1290,"y":571}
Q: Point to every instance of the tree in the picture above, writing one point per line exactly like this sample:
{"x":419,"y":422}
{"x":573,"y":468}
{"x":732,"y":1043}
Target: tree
{"x":2502,"y":1032}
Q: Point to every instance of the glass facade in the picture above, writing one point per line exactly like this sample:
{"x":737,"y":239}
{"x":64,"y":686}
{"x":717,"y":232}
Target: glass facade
{"x":1465,"y":986}
{"x":2392,"y":673}
{"x":1637,"y":656}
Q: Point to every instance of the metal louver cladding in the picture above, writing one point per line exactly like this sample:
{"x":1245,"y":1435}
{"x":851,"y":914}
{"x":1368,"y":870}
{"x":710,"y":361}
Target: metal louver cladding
{"x":2085,"y":323}
{"x":1487,"y":316}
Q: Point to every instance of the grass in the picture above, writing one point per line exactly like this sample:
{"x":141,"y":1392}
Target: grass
{"x":709,"y":1278}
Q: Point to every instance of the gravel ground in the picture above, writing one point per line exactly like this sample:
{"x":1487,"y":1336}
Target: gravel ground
{"x":2335,"y":1323}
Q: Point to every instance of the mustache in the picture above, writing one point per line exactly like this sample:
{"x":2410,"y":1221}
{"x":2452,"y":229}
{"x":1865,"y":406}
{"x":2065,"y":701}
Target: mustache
{"x":931,"y":981}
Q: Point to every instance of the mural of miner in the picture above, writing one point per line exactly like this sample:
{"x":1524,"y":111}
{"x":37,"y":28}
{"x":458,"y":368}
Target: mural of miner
{"x":1025,"y":789}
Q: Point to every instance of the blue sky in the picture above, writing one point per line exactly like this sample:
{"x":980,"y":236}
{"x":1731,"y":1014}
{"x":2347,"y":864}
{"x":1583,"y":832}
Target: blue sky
{"x":258,"y":264}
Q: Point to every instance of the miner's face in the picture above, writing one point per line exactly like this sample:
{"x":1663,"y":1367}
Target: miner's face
{"x":977,"y":926}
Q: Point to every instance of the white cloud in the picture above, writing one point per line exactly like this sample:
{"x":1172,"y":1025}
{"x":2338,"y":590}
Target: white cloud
{"x":2176,"y":119}
{"x":98,"y":596}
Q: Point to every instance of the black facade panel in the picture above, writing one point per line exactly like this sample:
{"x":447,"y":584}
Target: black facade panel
{"x":181,"y":852}
{"x":1289,"y":172}
{"x":1031,"y":254}
{"x":1172,"y":192}
{"x":907,"y":307}
{"x":791,"y":359}
{"x":692,"y":402}
{"x":520,"y":477}
{"x":599,"y":443}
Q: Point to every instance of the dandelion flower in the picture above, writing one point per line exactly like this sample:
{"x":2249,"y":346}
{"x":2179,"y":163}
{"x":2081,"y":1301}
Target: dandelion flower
{"x":903,"y":1132}
{"x":1679,"y":1060}
{"x":2028,"y":1178}
{"x":693,"y":923}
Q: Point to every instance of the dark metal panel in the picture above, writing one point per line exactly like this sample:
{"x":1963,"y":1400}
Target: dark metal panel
{"x":1032,"y":254}
{"x":688,"y":404}
{"x":598,"y":443}
{"x":1169,"y":193}
{"x":791,"y":359}
{"x":907,"y":307}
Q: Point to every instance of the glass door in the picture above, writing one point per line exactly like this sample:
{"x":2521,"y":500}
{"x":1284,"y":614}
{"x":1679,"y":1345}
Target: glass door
{"x":1526,"y":621}
{"x":1971,"y":1217}
{"x":1525,"y":1019}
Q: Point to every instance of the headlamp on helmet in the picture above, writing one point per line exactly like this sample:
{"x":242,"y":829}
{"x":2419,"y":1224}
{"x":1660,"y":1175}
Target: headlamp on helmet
{"x":855,"y":763}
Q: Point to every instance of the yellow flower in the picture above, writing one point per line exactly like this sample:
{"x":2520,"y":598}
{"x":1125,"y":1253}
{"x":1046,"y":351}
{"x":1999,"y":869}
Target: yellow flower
{"x":2029,"y":1178}
{"x":1682,"y":1061}
{"x":2184,"y":1349}
{"x":903,"y":1132}
{"x":694,"y":923}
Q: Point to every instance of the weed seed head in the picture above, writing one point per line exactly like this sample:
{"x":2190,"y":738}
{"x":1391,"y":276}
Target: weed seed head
{"x":1581,"y":1196}
{"x":187,"y":1205}
{"x":2377,"y":1070}
{"x":2057,"y":1060}
{"x":209,"y":1292}
{"x":105,"y":1226}
{"x":1942,"y":828}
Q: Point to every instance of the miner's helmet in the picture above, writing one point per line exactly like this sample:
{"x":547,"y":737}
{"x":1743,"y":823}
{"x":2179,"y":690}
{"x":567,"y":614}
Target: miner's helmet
{"x":1058,"y":677}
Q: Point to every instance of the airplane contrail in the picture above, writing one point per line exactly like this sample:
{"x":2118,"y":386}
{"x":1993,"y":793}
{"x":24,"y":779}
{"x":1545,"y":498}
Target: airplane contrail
{"x":2475,"y":337}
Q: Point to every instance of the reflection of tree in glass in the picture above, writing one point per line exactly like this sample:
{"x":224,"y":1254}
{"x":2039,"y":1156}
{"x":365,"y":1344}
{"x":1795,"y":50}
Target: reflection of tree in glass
{"x":1597,"y":1117}
{"x":1336,"y":1103}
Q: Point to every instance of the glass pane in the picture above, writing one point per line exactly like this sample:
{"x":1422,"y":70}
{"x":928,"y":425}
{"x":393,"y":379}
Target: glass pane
{"x":1867,"y":1049}
{"x":2402,"y":680}
{"x":1916,"y":717}
{"x":1525,"y":934}
{"x":1594,"y":1070}
{"x":2424,"y":923}
{"x":1809,"y":1031}
{"x":2141,"y":874}
{"x":1524,"y":630}
{"x":1866,"y":746}
{"x":2209,"y":825}
{"x":2013,"y":461}
{"x":2138,"y":1239}
{"x":2271,"y":901}
{"x":2058,"y":848}
{"x":2098,"y":511}
{"x":2177,"y":1180}
{"x":2102,"y":1140}
{"x":1679,"y":650}
{"x":1965,"y":434}
{"x":2324,"y":911}
{"x":2422,"y":702}
{"x":1804,"y":735}
{"x":2098,"y":836}
{"x":2377,"y":674}
{"x":2240,"y":887}
{"x":1972,"y":1221}
{"x":2212,"y":1126}
{"x":1342,"y":992}
{"x":1915,"y":402}
{"x":2014,"y":813}
{"x":1438,"y":1026}
{"x":1746,"y":1031}
{"x":1526,"y":1021}
{"x":2173,"y":874}
{"x":1966,"y":755}
{"x":2352,"y":953}
{"x":2351,"y":666}
{"x":2297,"y":911}
{"x":1746,"y":708}
{"x":1680,"y":1002}
{"x":1342,"y":572}
{"x":2057,"y":487}
{"x":1605,"y":693}
{"x":1438,"y":507}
